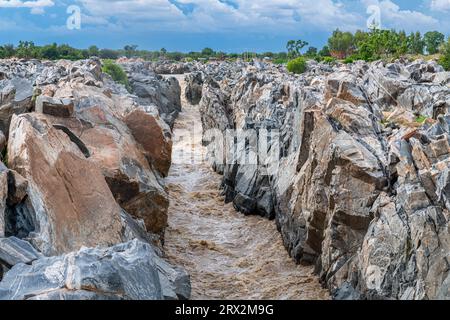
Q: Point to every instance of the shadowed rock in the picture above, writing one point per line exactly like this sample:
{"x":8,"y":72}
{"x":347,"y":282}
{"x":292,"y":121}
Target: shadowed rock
{"x":62,"y":108}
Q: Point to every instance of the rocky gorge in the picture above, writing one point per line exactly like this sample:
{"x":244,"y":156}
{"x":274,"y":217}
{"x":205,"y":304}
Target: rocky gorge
{"x":357,"y":179}
{"x":351,"y":161}
{"x":83,"y":198}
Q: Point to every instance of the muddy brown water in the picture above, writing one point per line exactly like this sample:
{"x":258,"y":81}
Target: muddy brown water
{"x":227,"y":254}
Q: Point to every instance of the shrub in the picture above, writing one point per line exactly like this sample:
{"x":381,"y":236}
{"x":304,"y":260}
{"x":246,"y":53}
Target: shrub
{"x":349,"y":60}
{"x":318,"y":58}
{"x":329,"y":60}
{"x":445,"y":58}
{"x":297,"y":65}
{"x":421,"y":119}
{"x":116,"y":72}
{"x":280,"y":61}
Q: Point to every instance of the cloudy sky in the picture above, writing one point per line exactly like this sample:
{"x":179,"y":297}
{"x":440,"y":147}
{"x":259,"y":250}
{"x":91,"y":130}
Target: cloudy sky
{"x":228,"y":25}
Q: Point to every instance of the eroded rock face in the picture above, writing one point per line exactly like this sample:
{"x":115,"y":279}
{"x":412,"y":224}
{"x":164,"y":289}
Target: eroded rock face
{"x":152,"y":89}
{"x":154,"y":136}
{"x":100,"y":125}
{"x":194,"y":85}
{"x":69,"y":203}
{"x":128,"y":271}
{"x":357,"y":187}
{"x":169,"y":67}
{"x":80,"y":177}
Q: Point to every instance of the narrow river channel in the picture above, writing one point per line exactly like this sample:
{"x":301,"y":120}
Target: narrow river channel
{"x":228,"y":255}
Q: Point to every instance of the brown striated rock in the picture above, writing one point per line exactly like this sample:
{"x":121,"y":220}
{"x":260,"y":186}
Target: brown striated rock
{"x":154,"y":136}
{"x":55,"y":107}
{"x":135,"y":185}
{"x":68,"y":199}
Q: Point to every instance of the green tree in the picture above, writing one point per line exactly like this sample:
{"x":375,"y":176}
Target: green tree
{"x":94,"y":51}
{"x":360,"y":37}
{"x":294,"y":47}
{"x":311,"y":52}
{"x":433,"y":40}
{"x":445,"y":58}
{"x":174,"y":56}
{"x":108,"y":54}
{"x":416,"y":43}
{"x":207,"y":52}
{"x":9,"y":50}
{"x":341,"y":44}
{"x":67,"y":52}
{"x":27,"y":50}
{"x":130,"y":50}
{"x":402,"y":46}
{"x":50,"y":52}
{"x":162,"y":53}
{"x":325,"y":52}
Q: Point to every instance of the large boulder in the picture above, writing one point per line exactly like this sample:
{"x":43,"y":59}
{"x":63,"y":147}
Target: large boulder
{"x":128,"y":271}
{"x":194,"y":87}
{"x":154,"y":136}
{"x":15,"y":98}
{"x":111,"y":145}
{"x":69,"y":203}
{"x":151,"y":88}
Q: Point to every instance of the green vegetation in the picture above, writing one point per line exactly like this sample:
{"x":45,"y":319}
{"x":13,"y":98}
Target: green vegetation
{"x":344,"y":46}
{"x":382,"y":44}
{"x":341,"y":44}
{"x":421,"y":119}
{"x":433,"y":40}
{"x":280,"y":61}
{"x":116,"y":72}
{"x":294,"y":48}
{"x":329,"y":60}
{"x":349,"y":60}
{"x":445,"y":58}
{"x":298,"y":65}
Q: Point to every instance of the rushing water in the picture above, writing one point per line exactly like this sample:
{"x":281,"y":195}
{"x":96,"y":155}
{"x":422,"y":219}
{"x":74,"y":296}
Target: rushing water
{"x":228,"y":255}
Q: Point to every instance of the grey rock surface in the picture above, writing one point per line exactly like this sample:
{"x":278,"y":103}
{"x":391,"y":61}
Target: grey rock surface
{"x":125,"y":271}
{"x":14,"y":251}
{"x":356,"y":185}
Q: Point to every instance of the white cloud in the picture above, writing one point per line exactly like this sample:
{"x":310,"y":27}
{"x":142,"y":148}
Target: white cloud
{"x":37,"y":10}
{"x":440,"y":5}
{"x":215,"y":15}
{"x":37,"y":6}
{"x":392,"y":16}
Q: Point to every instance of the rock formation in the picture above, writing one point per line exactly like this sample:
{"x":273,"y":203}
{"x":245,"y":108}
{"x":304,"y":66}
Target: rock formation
{"x":351,"y":161}
{"x":356,"y":182}
{"x":83,"y":205}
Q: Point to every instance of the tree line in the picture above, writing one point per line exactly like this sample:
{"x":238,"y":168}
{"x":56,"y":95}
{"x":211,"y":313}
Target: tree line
{"x":372,"y":45}
{"x":29,"y":50}
{"x":362,"y":45}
